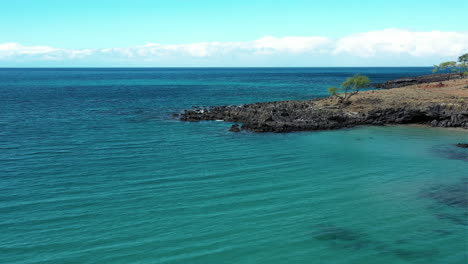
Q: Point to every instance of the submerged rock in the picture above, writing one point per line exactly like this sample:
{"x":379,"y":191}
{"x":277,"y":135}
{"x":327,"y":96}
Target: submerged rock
{"x":452,"y":195}
{"x":356,"y":240}
{"x":235,"y":128}
{"x":407,"y":254}
{"x":451,"y":152}
{"x":346,"y":238}
{"x":331,"y":232}
{"x":450,"y":201}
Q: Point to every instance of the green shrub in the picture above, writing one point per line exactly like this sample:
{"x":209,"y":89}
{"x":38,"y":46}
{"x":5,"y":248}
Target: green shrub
{"x":350,"y":87}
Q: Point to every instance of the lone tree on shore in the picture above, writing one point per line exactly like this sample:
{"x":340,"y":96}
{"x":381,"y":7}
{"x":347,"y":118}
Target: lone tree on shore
{"x":350,"y":87}
{"x":448,"y":66}
{"x":452,"y":66}
{"x":463,"y":60}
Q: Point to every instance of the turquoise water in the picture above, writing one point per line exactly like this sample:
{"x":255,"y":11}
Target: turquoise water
{"x":93,"y":169}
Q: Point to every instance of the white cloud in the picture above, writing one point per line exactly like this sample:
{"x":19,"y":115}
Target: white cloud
{"x":268,"y":45}
{"x":398,"y":41}
{"x":15,"y":50}
{"x":376,"y":44}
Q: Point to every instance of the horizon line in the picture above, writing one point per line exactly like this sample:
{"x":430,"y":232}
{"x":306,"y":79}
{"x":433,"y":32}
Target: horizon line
{"x":203,"y":67}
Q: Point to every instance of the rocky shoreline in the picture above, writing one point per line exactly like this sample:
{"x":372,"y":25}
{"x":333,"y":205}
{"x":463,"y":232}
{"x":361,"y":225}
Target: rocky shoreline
{"x":438,"y":106}
{"x":397,"y":83}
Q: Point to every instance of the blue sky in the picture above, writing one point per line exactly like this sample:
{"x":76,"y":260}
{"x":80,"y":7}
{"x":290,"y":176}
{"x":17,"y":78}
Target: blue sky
{"x":46,"y":32}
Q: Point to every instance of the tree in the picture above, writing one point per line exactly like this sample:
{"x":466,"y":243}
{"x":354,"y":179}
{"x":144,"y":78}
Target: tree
{"x":333,"y":91}
{"x":350,"y":87}
{"x":452,"y":66}
{"x":448,"y":66}
{"x":463,"y":59}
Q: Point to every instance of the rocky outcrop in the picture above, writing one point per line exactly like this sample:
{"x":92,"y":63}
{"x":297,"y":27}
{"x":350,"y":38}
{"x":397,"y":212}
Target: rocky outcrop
{"x":289,"y":116}
{"x":439,"y":106}
{"x":235,"y":128}
{"x":418,"y":80}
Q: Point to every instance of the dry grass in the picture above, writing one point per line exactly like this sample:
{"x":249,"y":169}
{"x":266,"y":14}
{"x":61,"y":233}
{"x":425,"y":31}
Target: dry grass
{"x":448,"y":92}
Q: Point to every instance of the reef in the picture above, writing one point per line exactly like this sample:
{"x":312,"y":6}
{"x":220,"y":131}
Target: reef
{"x":451,"y":195}
{"x":450,"y":201}
{"x":455,"y":152}
{"x":346,"y":238}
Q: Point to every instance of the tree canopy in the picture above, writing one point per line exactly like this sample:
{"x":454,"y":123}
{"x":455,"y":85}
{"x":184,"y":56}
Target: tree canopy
{"x":463,"y":58}
{"x":452,"y":66}
{"x":350,"y":87}
{"x":448,"y":66}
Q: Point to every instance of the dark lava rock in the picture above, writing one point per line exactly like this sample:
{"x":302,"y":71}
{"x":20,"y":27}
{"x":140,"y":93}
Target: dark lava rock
{"x":289,"y":116}
{"x":462,"y":145}
{"x":418,"y":80}
{"x":235,"y":128}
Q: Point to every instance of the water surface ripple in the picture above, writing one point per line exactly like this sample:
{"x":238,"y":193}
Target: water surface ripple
{"x":94,"y":170}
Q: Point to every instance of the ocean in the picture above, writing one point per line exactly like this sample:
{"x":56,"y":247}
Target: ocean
{"x":94,"y":169}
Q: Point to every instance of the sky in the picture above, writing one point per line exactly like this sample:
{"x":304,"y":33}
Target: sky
{"x":240,"y":33}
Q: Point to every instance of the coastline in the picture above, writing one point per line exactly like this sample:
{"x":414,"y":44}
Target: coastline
{"x":436,"y":104}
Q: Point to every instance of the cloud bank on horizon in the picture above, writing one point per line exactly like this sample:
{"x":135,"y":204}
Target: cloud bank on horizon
{"x":376,"y":48}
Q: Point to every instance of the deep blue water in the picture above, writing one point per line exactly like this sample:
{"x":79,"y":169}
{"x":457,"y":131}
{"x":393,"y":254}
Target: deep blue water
{"x":93,"y":169}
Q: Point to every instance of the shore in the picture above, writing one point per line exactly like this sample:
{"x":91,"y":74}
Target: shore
{"x":438,"y":104}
